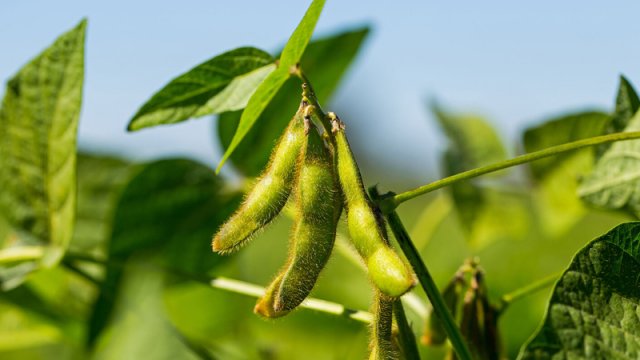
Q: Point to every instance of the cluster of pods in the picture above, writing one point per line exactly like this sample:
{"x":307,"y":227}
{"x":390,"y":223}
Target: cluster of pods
{"x":321,"y":173}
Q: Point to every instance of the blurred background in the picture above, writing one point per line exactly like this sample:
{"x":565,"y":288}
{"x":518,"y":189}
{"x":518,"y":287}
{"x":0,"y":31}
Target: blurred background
{"x":515,"y":65}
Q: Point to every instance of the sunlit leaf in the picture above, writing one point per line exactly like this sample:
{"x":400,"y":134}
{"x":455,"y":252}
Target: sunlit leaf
{"x":38,"y":126}
{"x":556,"y":177}
{"x":223,"y":83}
{"x":171,"y":208}
{"x":291,"y":55}
{"x":593,"y":311}
{"x":614,"y":182}
{"x":324,"y":61}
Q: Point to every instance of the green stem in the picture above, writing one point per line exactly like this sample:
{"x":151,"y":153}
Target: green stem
{"x":518,"y":294}
{"x":391,"y":202}
{"x":408,"y":342}
{"x":243,"y":288}
{"x":21,"y":253}
{"x":439,"y":307}
{"x":310,"y":95}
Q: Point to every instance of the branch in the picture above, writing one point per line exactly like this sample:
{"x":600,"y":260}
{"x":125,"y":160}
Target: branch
{"x":389,"y":203}
{"x":245,"y":288}
{"x":509,"y":298}
{"x":21,"y":253}
{"x":408,"y":342}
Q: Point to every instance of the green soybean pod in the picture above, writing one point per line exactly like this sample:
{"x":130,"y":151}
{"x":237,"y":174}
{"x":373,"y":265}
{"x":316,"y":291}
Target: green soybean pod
{"x":367,"y":230}
{"x":382,"y":346}
{"x":319,"y":207}
{"x":270,"y":193}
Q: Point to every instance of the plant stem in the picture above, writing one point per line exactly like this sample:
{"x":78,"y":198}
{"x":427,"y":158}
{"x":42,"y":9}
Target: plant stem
{"x":407,"y":337}
{"x":21,"y":253}
{"x":439,"y":307}
{"x":509,"y":298}
{"x":389,"y":203}
{"x":310,"y":95}
{"x":245,"y":288}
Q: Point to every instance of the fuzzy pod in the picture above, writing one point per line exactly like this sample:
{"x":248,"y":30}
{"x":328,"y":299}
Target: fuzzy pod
{"x":382,"y":346}
{"x":434,"y":333}
{"x":270,"y":193}
{"x":319,"y":206}
{"x":265,"y":305}
{"x":387,"y":270}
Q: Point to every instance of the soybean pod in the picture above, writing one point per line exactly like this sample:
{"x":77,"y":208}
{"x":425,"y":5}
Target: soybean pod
{"x":382,"y":346}
{"x":270,"y":193}
{"x":319,"y":206}
{"x":367,"y":230}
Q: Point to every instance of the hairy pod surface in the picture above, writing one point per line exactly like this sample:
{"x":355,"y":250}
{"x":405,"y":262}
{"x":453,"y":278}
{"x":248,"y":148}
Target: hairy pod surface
{"x":270,"y":193}
{"x":367,"y":231}
{"x":382,"y":346}
{"x":319,"y":207}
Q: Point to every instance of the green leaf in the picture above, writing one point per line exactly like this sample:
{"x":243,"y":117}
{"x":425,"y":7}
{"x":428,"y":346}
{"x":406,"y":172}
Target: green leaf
{"x":325,"y":61}
{"x":140,"y":327}
{"x":485,"y":214}
{"x":556,"y":178}
{"x":298,"y":41}
{"x":594,"y":307}
{"x":224,"y":83}
{"x":291,"y":54}
{"x":627,"y":104}
{"x":38,"y":126}
{"x":100,"y":180}
{"x":170,"y":208}
{"x":614,"y":182}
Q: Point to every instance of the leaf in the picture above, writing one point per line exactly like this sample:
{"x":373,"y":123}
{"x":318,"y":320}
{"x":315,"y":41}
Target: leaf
{"x":38,"y":126}
{"x":291,"y":54}
{"x":140,"y":328}
{"x":485,"y":214}
{"x":594,"y":307}
{"x":325,"y":61}
{"x":615,"y":179}
{"x":223,"y":83}
{"x":171,"y":208}
{"x":557,"y":204}
{"x":627,"y":104}
{"x":100,"y":180}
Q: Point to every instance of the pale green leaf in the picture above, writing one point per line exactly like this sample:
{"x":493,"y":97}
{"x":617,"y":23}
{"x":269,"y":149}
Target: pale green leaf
{"x":38,"y":126}
{"x":614,"y":182}
{"x":594,"y":307}
{"x":223,"y":83}
{"x":291,"y":54}
{"x":556,"y":178}
{"x":485,"y":214}
{"x":324,"y":61}
{"x":140,"y":328}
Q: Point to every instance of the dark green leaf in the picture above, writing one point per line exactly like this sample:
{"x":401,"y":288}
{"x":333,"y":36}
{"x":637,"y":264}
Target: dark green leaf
{"x":170,"y":208}
{"x":593,"y":311}
{"x":224,"y":83}
{"x":614,"y":182}
{"x":38,"y":126}
{"x":627,"y":104}
{"x":100,"y":179}
{"x":291,"y":55}
{"x":556,"y":177}
{"x":325,"y":61}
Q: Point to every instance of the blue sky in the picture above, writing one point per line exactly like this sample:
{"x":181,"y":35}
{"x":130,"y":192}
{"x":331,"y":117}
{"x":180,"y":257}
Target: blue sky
{"x":515,"y":62}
